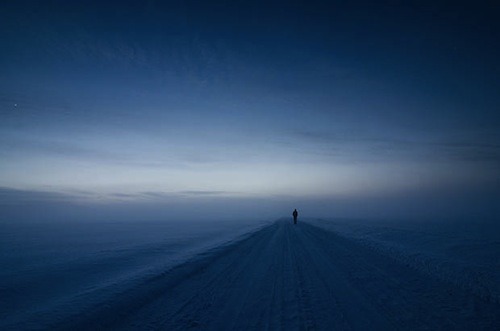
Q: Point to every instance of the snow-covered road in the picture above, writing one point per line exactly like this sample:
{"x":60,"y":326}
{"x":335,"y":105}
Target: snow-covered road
{"x":286,"y":277}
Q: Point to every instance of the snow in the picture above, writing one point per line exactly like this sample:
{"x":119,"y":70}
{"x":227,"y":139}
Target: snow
{"x":465,"y":252}
{"x":319,"y":274}
{"x":51,"y":270}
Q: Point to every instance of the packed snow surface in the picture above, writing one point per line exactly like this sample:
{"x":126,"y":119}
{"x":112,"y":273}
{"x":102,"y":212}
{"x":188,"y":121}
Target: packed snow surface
{"x":316,"y":275}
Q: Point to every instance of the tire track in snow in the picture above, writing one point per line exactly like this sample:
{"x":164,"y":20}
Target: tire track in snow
{"x":303,"y":289}
{"x":200,"y":309}
{"x":340,"y":305}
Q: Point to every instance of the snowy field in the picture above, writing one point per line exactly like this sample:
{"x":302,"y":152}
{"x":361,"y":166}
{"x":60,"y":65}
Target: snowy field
{"x":318,"y":275}
{"x":53,"y":271}
{"x":465,"y":252}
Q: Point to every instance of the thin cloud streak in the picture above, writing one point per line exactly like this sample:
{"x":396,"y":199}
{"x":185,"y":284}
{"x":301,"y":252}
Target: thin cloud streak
{"x":377,"y":148}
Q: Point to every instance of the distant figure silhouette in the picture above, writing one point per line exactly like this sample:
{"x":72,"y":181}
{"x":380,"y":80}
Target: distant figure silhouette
{"x":295,"y":214}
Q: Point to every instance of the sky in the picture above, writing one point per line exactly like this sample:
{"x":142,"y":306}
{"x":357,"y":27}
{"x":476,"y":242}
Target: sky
{"x":160,"y":109}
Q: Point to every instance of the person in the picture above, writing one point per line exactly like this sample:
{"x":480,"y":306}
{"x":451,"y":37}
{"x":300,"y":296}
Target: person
{"x":295,"y":214}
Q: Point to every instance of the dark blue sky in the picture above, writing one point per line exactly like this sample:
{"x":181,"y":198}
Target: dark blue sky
{"x":338,"y":108}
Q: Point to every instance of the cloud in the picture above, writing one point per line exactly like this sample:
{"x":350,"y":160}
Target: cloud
{"x":31,"y":146}
{"x":123,"y":195}
{"x":10,"y":196}
{"x":14,"y":196}
{"x":204,"y":192}
{"x":155,"y":194}
{"x":468,"y":151}
{"x":353,"y":147}
{"x":58,"y":148}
